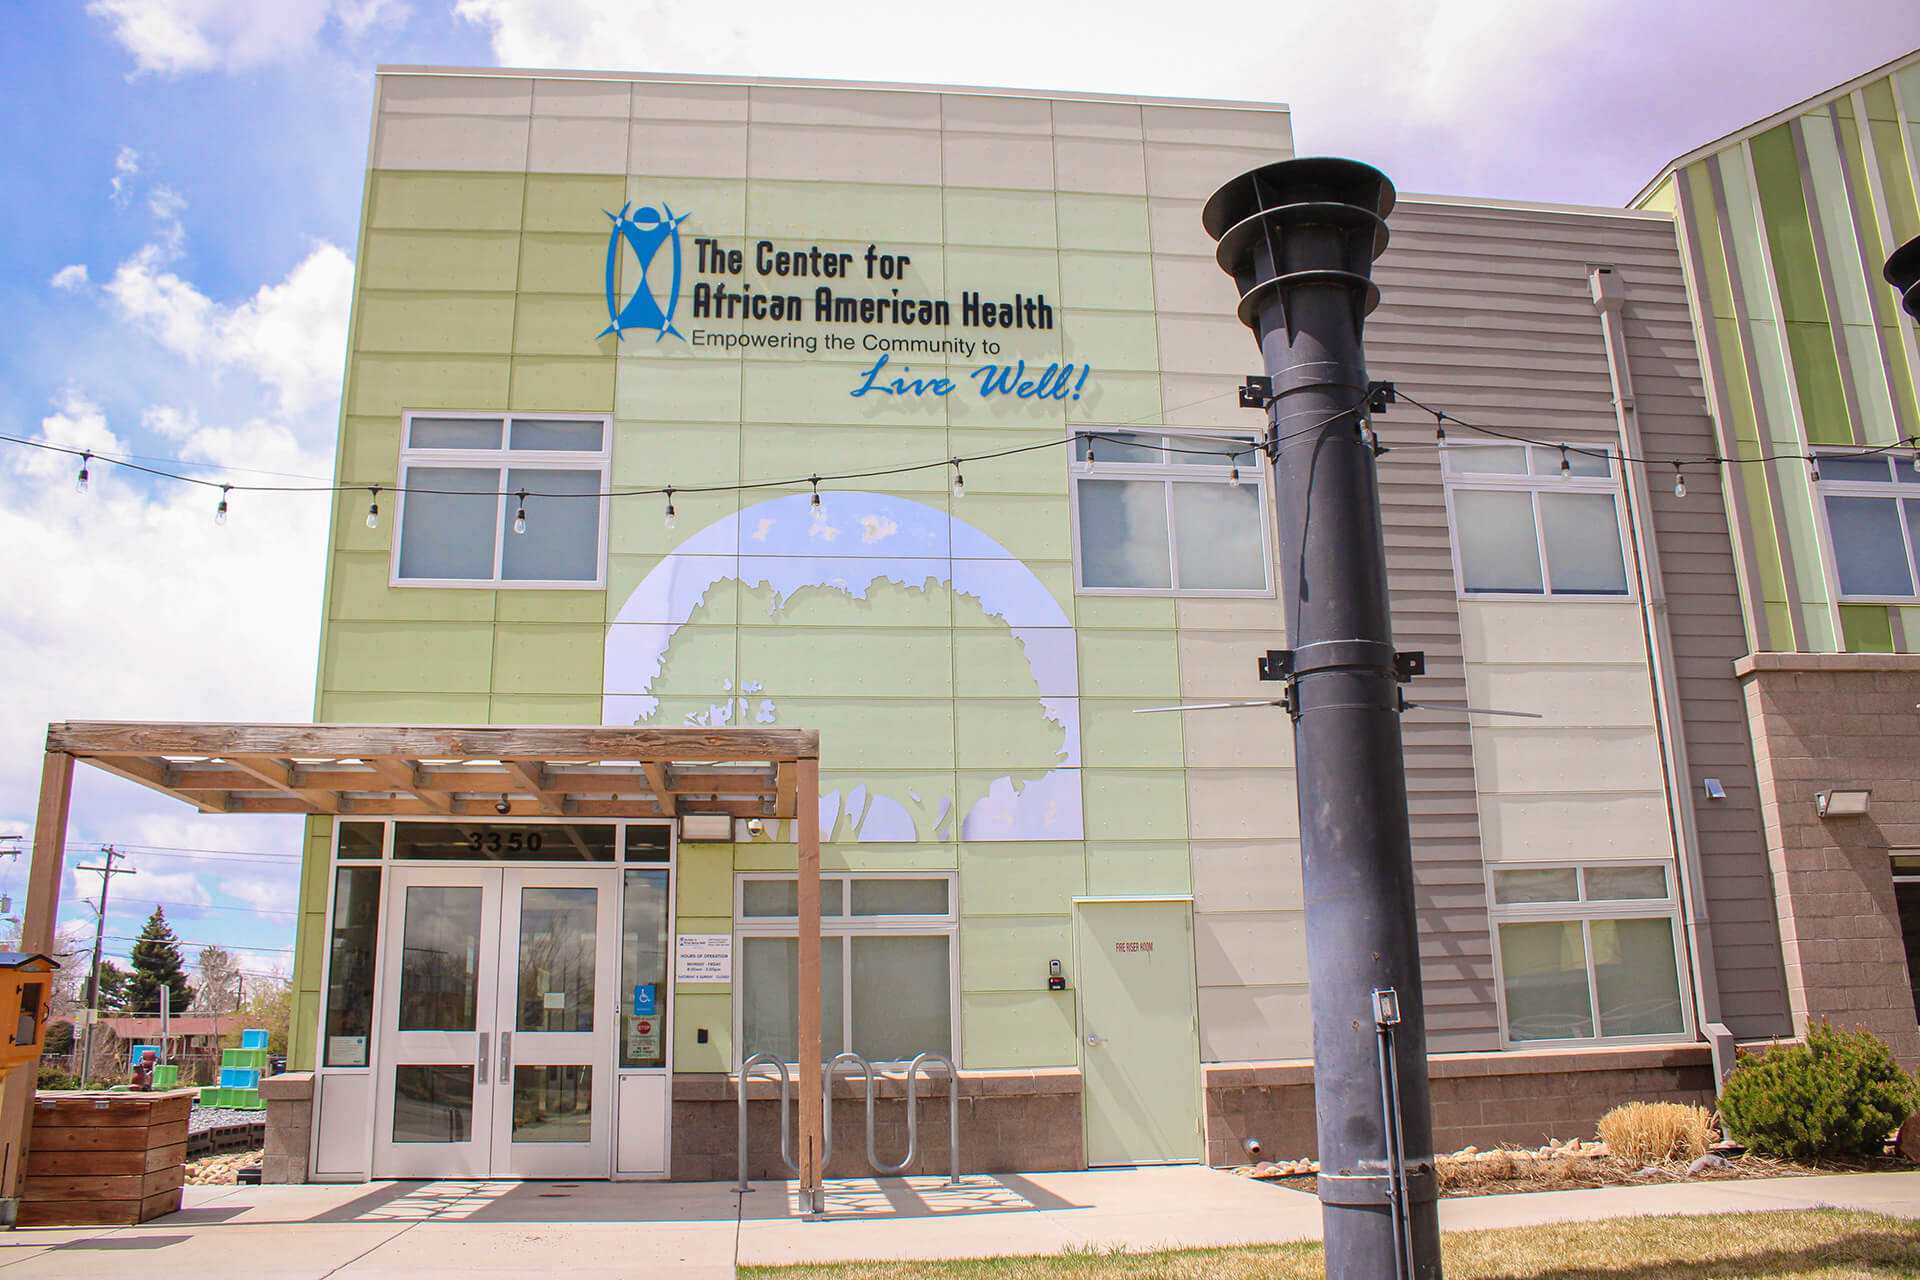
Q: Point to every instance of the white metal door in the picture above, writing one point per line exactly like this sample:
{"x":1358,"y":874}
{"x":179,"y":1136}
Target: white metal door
{"x":559,"y":1009}
{"x":434,"y":1114}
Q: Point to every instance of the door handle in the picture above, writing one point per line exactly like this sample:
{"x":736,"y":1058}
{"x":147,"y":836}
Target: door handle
{"x":1095,"y":1041}
{"x":481,"y":1061}
{"x":506,"y":1057}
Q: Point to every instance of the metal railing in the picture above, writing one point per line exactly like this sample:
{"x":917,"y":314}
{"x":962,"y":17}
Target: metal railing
{"x":869,"y":1076}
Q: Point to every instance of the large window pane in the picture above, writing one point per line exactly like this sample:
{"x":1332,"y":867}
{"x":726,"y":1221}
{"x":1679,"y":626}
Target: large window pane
{"x":432,"y":1103}
{"x":362,"y":839}
{"x":1869,"y":469}
{"x":1617,"y":883}
{"x":1214,"y":451}
{"x":350,"y":966}
{"x":556,"y":959}
{"x":645,"y":995}
{"x":769,"y":1004}
{"x":1218,"y":534}
{"x":1586,"y":463}
{"x":562,"y":538}
{"x":1498,"y":549}
{"x":447,"y":530}
{"x":902,"y":997}
{"x":454,"y":433}
{"x":439,"y":958}
{"x":553,"y":1104}
{"x":1119,"y":446}
{"x":1867,"y":548}
{"x":782,"y":898}
{"x":900,"y":897}
{"x":557,"y":434}
{"x":1123,"y":534}
{"x":505,"y":841}
{"x":1583,"y":543}
{"x":1635,"y":977}
{"x":1544,"y":969}
{"x":1486,"y":460}
{"x":1536,"y":884}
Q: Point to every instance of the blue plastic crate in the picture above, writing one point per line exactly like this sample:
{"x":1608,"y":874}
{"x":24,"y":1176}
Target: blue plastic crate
{"x":255,"y":1039}
{"x":239,"y":1078}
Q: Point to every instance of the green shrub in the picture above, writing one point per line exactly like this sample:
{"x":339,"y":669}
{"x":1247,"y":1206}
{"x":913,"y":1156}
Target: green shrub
{"x":1841,"y":1093}
{"x":55,"y":1078}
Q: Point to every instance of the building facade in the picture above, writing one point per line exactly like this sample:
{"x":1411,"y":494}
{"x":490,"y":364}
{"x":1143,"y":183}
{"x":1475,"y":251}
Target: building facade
{"x":1784,"y":227}
{"x":909,"y":416}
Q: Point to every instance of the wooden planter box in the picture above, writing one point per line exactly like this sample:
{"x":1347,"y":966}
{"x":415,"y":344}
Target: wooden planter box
{"x":105,"y":1159}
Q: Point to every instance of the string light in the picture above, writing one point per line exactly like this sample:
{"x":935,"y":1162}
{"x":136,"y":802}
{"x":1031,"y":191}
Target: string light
{"x":520,"y":516}
{"x":1566,"y":468}
{"x":220,"y":512}
{"x":819,"y":512}
{"x":80,"y":481}
{"x":959,"y":481}
{"x":1089,"y":440}
{"x":1915,"y":441}
{"x":1233,"y":477}
{"x":1679,"y":482}
{"x":373,"y":508}
{"x":1813,"y":468}
{"x":671,"y":519}
{"x":1439,"y":427}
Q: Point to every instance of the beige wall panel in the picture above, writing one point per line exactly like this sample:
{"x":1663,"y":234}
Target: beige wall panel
{"x":689,"y":101}
{"x":1255,"y":1024}
{"x":1242,"y":804}
{"x":601,"y":98}
{"x":1267,"y":131}
{"x":559,"y":144}
{"x":1250,"y":948}
{"x":447,"y":142}
{"x":858,"y":108}
{"x":1510,"y":760}
{"x":456,"y":95}
{"x":992,"y":160}
{"x":1193,"y":344}
{"x":1266,"y":619}
{"x":1193,"y":172}
{"x":1243,"y":736}
{"x":827,"y":153}
{"x":1107,"y":166}
{"x":1224,"y":664}
{"x":695,"y":149}
{"x":1575,"y":828}
{"x":1096,"y":120}
{"x":1552,"y":631}
{"x":1177,"y":229}
{"x":1198,"y":288}
{"x":1594,"y":696}
{"x":1246,"y":875}
{"x":990,"y":113}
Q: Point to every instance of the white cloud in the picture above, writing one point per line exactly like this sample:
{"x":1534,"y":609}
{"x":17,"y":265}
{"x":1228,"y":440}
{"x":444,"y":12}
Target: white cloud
{"x":72,"y":277}
{"x":174,"y":36}
{"x":126,"y":167}
{"x":876,"y":528}
{"x":291,"y":335}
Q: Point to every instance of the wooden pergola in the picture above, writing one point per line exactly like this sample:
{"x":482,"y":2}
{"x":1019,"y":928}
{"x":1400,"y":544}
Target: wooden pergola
{"x":377,"y":771}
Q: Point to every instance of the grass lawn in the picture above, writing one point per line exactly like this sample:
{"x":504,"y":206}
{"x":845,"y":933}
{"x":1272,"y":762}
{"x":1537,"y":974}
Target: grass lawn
{"x":1814,"y":1244}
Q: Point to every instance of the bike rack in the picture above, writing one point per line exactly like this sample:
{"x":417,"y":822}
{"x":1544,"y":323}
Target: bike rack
{"x":869,"y":1075}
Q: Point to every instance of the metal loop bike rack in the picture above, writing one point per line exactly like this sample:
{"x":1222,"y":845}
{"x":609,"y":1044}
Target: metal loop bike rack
{"x":869,"y":1075}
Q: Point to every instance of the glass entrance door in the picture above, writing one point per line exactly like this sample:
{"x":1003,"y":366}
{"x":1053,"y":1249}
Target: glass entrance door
{"x":501,"y":1004}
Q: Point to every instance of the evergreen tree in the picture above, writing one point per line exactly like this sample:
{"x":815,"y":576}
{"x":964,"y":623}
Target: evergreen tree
{"x":156,"y":964}
{"x":113,"y":987}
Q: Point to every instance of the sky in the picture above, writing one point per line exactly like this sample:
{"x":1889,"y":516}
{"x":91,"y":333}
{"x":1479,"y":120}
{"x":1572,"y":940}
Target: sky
{"x":184,"y":184}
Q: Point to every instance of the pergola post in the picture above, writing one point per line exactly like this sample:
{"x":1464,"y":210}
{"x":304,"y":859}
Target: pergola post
{"x":807,"y":822}
{"x":36,"y":934}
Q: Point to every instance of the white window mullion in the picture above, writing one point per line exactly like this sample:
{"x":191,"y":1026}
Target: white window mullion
{"x":1540,"y":546}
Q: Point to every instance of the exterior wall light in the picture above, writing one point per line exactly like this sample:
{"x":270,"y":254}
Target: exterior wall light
{"x":1842,"y":804}
{"x":706,"y":827}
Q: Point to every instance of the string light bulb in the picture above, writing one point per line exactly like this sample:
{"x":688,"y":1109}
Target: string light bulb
{"x":1439,"y":428}
{"x":220,"y":512}
{"x":1090,"y":457}
{"x":1813,"y":469}
{"x":1679,"y":482}
{"x":1566,"y":467}
{"x":819,"y":512}
{"x":1915,"y":441}
{"x":373,"y":508}
{"x":959,"y":481}
{"x":1233,"y":476}
{"x":520,"y":516}
{"x":80,"y":481}
{"x":671,"y":518}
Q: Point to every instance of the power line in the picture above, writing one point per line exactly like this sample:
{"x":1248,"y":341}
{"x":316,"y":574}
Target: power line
{"x":208,"y":906}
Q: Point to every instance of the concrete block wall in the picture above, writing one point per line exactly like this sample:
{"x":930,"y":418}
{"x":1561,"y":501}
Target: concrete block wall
{"x":289,"y":1099}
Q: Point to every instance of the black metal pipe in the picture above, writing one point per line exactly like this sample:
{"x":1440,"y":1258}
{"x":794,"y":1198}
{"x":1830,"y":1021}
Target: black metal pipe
{"x":1299,"y":238}
{"x":1903,"y":273}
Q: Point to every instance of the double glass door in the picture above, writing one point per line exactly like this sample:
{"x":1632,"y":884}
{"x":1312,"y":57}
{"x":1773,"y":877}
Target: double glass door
{"x":500,"y":1001}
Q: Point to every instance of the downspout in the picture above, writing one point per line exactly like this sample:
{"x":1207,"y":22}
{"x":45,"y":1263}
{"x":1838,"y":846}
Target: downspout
{"x":1609,"y":297}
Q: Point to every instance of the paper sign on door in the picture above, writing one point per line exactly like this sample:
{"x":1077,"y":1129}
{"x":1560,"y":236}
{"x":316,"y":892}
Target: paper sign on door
{"x":643,"y":1038}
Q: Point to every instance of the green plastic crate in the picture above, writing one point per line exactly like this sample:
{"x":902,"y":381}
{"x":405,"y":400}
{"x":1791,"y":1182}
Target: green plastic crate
{"x":249,"y":1059}
{"x":166,"y":1077}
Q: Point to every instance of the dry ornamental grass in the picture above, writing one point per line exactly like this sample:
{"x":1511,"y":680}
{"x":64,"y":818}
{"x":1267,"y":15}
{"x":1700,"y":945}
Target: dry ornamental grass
{"x":1655,"y":1132}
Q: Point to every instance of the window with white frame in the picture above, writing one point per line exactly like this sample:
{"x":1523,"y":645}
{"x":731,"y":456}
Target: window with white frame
{"x":502,"y":500}
{"x":1588,"y":952}
{"x":1170,"y":513}
{"x":1872,"y":510}
{"x":887,"y":960}
{"x":1523,"y":526}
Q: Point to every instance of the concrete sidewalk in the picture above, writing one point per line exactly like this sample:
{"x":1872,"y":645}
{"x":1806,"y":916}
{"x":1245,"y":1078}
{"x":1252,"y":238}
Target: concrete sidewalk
{"x":700,"y":1231}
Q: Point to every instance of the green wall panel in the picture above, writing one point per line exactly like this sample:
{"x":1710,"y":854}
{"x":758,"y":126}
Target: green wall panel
{"x":1789,"y":234}
{"x":1816,"y":371}
{"x":1006,"y":1030}
{"x":555,"y":262}
{"x":704,"y":880}
{"x":434,"y":323}
{"x":998,"y":953}
{"x":360,"y":594}
{"x":1009,"y":879}
{"x":1868,"y":628}
{"x":1138,"y":867}
{"x":445,"y":201}
{"x":548,"y":658}
{"x":409,"y":657}
{"x":563,"y":384}
{"x":694,"y":1010}
{"x":563,"y":324}
{"x":542,"y":708}
{"x":1111,"y":734}
{"x":391,"y":384}
{"x":483,"y":261}
{"x":1103,"y":222}
{"x":564,"y":201}
{"x":1135,"y":804}
{"x":1010,"y":218}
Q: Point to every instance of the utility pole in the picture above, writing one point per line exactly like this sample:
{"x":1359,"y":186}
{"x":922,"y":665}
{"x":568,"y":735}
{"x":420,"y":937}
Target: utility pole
{"x":107,"y":873}
{"x":1299,"y":239}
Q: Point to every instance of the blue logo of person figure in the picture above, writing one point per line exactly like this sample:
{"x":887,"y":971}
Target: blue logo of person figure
{"x":645,"y":232}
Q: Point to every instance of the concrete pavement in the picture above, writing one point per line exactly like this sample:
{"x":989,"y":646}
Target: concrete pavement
{"x":699,"y":1231}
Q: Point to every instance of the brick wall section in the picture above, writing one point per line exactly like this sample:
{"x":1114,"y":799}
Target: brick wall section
{"x":1010,"y":1122}
{"x":1822,"y":721}
{"x":1479,"y":1099}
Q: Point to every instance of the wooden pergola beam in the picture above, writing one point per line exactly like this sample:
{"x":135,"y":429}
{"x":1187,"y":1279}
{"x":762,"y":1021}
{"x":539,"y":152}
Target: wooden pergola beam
{"x":403,"y":775}
{"x":532,"y":779}
{"x":88,"y":738}
{"x":662,"y":790}
{"x":282,"y":776}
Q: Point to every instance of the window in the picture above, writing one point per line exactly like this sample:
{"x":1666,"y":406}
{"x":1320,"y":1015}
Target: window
{"x":887,"y":946}
{"x":1588,"y":952}
{"x":1521,"y":527}
{"x":462,"y":479}
{"x":1161,"y":513}
{"x":1872,"y":507}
